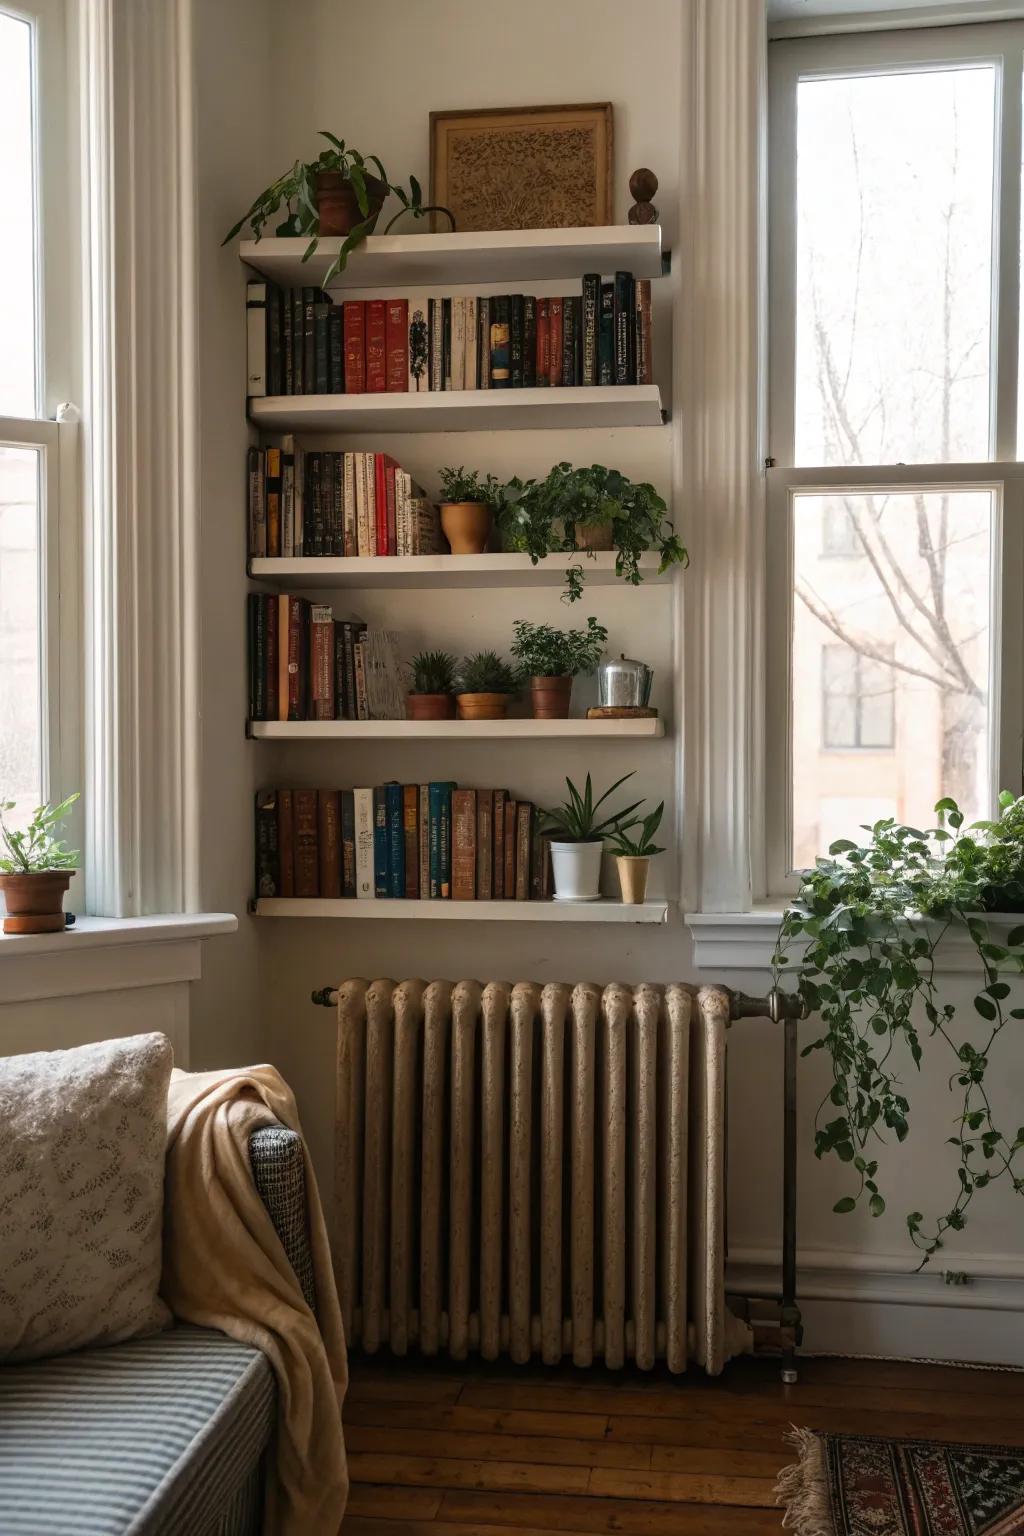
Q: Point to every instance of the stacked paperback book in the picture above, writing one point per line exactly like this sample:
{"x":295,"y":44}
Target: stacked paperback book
{"x":301,"y":343}
{"x":324,"y":502}
{"x":306,"y":665}
{"x":419,"y":842}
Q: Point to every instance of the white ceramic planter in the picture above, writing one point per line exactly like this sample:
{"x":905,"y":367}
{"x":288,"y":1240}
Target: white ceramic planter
{"x":577,"y":870}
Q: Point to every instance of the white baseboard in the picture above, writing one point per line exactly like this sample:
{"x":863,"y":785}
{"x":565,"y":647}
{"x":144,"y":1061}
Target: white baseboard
{"x":874,"y":1304}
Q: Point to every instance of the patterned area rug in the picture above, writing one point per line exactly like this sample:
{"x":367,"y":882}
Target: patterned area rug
{"x":856,"y":1485}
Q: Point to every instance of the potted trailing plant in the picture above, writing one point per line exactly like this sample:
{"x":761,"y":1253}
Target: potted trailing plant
{"x":432,"y":694}
{"x":486,"y":685}
{"x":859,"y":946}
{"x":578,"y":840}
{"x":551,"y":658}
{"x":588,"y":509}
{"x":468,"y":505}
{"x":633,"y":854}
{"x":335,"y":194}
{"x":35,"y":869}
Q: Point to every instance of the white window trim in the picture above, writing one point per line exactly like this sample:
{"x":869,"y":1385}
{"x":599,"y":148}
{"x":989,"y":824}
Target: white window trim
{"x":1007,"y":623}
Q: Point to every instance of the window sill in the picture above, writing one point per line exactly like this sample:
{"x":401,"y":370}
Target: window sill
{"x":101,"y":954}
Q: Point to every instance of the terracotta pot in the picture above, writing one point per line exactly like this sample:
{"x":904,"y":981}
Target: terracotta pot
{"x":576,"y":868}
{"x":337,"y":206}
{"x":466,"y":525}
{"x":549,"y":697}
{"x":595,"y":536}
{"x":430,"y":706}
{"x":483,"y":706}
{"x":633,"y":878}
{"x":35,"y":903}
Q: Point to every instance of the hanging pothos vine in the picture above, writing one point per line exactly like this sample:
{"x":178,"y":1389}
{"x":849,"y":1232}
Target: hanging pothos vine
{"x":859,"y":946}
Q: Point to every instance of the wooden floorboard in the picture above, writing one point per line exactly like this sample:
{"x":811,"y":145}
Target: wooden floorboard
{"x":495,"y":1450}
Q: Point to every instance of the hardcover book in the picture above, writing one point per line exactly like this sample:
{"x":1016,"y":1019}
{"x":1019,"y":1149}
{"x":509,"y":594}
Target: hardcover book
{"x":321,"y":347}
{"x":309,"y":298}
{"x":335,"y":350}
{"x":642,"y":322}
{"x":511,"y":814}
{"x":483,"y":342}
{"x":543,"y":322}
{"x":396,"y":839}
{"x":556,"y":313}
{"x":299,"y":383}
{"x":273,"y":501}
{"x":484,"y":846}
{"x":458,"y":365}
{"x":624,"y":306}
{"x":306,"y":839}
{"x":529,"y":341}
{"x":606,"y":336}
{"x":524,"y":846}
{"x":329,"y":836}
{"x":464,"y":845}
{"x":396,"y":334}
{"x":354,"y":322}
{"x":347,"y":803}
{"x":376,"y":346}
{"x":418,"y":380}
{"x":322,"y":661}
{"x":498,"y":838}
{"x":267,"y":866}
{"x":411,"y":831}
{"x":516,"y":340}
{"x":501,"y":377}
{"x":362,"y":812}
{"x":381,"y":844}
{"x":285,"y":843}
{"x":591,"y":319}
{"x":256,"y":338}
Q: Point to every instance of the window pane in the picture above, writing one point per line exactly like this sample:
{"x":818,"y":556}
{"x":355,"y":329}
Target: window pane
{"x":894,"y":267}
{"x":20,"y":666}
{"x":891,"y":663}
{"x":17,"y":247}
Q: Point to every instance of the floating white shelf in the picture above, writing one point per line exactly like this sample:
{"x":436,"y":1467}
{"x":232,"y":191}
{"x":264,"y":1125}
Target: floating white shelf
{"x":445,"y":571}
{"x":452,"y":730}
{"x":463,"y":410}
{"x":467,"y":911}
{"x":488,"y":256}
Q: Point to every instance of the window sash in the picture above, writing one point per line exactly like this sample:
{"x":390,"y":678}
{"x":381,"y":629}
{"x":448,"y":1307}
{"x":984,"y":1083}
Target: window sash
{"x":1006,"y":715}
{"x":998,"y":44}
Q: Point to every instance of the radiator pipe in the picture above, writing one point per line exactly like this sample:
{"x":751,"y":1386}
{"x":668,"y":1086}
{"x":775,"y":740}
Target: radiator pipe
{"x":786,"y":1009}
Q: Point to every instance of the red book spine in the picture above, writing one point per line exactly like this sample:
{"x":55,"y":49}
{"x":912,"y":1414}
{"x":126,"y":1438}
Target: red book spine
{"x":411,"y":832}
{"x":380,"y":498}
{"x":390,"y":465}
{"x":354,"y":331}
{"x":376,"y":347}
{"x":272,"y":606}
{"x":543,"y":341}
{"x":294,"y":658}
{"x":307,"y":857}
{"x":329,"y":842}
{"x":397,"y":343}
{"x":555,"y":341}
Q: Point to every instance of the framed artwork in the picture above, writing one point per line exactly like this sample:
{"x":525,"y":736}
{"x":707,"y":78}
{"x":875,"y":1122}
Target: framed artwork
{"x":523,"y":167}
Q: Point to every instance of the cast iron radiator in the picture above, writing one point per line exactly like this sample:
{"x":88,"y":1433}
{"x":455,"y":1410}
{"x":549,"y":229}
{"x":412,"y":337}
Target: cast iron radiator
{"x":537,"y":1171}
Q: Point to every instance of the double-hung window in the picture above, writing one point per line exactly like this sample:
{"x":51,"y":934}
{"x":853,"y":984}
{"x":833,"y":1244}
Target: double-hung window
{"x":38,"y":482}
{"x":895,"y":511}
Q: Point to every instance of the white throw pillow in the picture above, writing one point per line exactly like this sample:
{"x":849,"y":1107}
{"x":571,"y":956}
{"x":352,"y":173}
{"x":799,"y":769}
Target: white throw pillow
{"x":83,"y":1136}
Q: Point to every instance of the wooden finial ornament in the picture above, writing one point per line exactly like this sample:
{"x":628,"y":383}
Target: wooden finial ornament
{"x":642,"y":185}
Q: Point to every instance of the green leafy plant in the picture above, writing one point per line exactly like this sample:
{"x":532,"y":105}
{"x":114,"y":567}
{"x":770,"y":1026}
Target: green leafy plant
{"x":487,"y":673}
{"x":296,"y":192}
{"x":575,"y":820}
{"x":641,"y":845}
{"x":462,"y":485}
{"x":35,"y":851}
{"x":433,"y":672}
{"x":546,"y":652}
{"x":859,"y":946}
{"x":543,"y":517}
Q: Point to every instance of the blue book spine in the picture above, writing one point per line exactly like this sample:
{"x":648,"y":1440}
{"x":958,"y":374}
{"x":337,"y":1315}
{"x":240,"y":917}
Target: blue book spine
{"x":434,"y":840}
{"x":396,"y":841}
{"x":444,"y":840}
{"x":382,"y":882}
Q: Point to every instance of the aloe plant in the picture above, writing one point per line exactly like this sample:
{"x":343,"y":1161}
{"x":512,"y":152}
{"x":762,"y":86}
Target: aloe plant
{"x":575,"y":821}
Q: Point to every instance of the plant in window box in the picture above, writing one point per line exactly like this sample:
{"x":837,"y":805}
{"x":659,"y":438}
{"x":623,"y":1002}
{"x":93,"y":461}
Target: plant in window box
{"x":633,"y":854}
{"x":486,"y":686}
{"x":578,"y":839}
{"x":861,"y":946}
{"x":588,"y":510}
{"x":432,"y":694}
{"x":551,"y":658}
{"x":35,"y":869}
{"x":468,"y":505}
{"x":335,"y":194}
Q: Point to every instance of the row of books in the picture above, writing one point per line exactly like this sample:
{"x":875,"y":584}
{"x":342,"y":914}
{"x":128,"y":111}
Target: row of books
{"x":304,"y":502}
{"x":419,"y":842}
{"x":301,"y":343}
{"x":306,"y":665}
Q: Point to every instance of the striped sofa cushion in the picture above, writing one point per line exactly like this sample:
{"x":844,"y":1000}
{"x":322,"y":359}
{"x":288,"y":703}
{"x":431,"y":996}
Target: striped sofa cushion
{"x":153,"y":1437}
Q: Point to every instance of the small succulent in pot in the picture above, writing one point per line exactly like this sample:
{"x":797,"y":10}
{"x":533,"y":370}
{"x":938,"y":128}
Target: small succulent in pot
{"x":431,"y":695}
{"x":486,"y":685}
{"x":468,"y":506}
{"x":577,"y":839}
{"x":551,"y":658}
{"x":35,"y":869}
{"x":335,"y":194}
{"x":634,"y":847}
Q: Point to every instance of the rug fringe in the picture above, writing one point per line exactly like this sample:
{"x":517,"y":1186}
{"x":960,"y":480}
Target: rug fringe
{"x":803,"y":1487}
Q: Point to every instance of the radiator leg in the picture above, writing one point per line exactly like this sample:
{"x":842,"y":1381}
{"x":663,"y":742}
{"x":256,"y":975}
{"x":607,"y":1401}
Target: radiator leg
{"x":789,"y":1312}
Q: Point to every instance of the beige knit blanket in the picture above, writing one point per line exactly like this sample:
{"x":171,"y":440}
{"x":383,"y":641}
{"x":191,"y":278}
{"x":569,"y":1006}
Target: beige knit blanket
{"x":224,"y":1267}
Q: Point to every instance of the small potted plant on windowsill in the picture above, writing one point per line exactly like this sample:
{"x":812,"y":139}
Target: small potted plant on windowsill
{"x":36,"y":869}
{"x":486,"y":686}
{"x":551,"y":658}
{"x":578,"y":840}
{"x":633,"y":854}
{"x":468,"y":505}
{"x":432,"y":695}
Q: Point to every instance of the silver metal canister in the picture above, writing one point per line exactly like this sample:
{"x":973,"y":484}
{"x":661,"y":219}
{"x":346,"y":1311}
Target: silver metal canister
{"x":624,"y":684}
